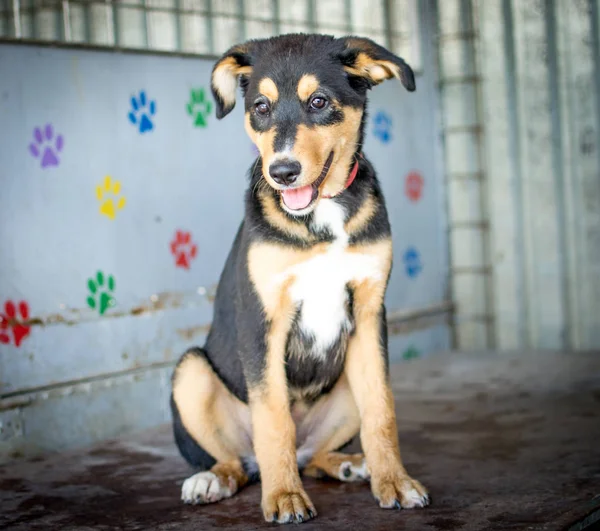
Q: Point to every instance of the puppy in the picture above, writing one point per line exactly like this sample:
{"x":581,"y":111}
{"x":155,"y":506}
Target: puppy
{"x":296,"y":364}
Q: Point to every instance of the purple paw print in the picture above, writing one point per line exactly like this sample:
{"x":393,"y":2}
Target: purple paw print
{"x":46,"y":146}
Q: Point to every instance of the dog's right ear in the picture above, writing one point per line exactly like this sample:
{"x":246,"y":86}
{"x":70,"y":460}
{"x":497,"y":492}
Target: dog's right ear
{"x":236,"y":62}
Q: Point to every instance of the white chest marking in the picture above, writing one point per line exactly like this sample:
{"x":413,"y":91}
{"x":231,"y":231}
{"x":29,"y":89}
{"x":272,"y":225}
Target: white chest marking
{"x":320,"y":282}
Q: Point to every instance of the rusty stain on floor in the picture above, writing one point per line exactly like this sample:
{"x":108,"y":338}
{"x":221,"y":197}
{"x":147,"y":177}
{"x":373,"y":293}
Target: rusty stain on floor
{"x":501,"y":442}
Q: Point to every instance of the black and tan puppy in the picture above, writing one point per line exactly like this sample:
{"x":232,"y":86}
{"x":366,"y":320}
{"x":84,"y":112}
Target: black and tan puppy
{"x":296,"y":361}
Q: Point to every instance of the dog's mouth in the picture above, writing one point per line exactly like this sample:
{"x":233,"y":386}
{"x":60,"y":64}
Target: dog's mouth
{"x":303,"y":197}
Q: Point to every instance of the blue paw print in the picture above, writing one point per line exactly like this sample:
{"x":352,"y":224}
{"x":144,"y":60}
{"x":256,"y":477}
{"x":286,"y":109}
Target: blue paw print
{"x":382,"y":126}
{"x":412,"y":262}
{"x":141,"y":112}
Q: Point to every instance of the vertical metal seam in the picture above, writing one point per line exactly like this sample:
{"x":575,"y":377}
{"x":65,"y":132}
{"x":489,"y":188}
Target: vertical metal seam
{"x":241,"y":20}
{"x":34,"y":22}
{"x":59,"y":34}
{"x":415,"y":36}
{"x":558,"y":165}
{"x":348,"y":15}
{"x":113,"y":12}
{"x":276,"y":17}
{"x":209,"y":27}
{"x":146,"y":25}
{"x":66,"y":20}
{"x":87,"y":22}
{"x":445,"y":196}
{"x":514,"y":141}
{"x":575,"y":217}
{"x":387,"y":20}
{"x":312,"y":15}
{"x":16,"y":9}
{"x":490,"y":307}
{"x":178,"y":28}
{"x":594,"y":13}
{"x":595,"y":30}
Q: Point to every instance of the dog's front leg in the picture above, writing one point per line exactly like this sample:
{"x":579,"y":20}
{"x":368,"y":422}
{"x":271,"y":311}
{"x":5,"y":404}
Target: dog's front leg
{"x":283,"y":497}
{"x":366,"y":368}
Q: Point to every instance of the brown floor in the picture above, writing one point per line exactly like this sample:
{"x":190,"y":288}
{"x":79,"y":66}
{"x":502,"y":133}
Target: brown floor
{"x":502,"y":442}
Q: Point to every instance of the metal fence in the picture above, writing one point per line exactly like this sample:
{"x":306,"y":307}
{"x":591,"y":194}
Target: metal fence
{"x":208,"y":26}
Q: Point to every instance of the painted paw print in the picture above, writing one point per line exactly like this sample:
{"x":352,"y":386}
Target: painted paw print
{"x":142,"y":112}
{"x":12,"y":328}
{"x":183,"y":249}
{"x":412,"y":262}
{"x":410,"y":353}
{"x":46,"y":146}
{"x":108,"y":194}
{"x":199,"y":107}
{"x":413,"y":186}
{"x":382,"y":126}
{"x":101,"y":294}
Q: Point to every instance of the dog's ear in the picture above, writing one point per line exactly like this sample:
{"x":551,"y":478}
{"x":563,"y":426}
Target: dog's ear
{"x":236,"y":62}
{"x":366,"y":59}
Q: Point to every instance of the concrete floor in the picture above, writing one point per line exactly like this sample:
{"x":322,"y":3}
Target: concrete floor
{"x":501,"y":441}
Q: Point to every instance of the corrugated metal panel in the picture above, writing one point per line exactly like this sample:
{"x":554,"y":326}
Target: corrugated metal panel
{"x":465,"y":174}
{"x":209,"y":26}
{"x":538,"y":63}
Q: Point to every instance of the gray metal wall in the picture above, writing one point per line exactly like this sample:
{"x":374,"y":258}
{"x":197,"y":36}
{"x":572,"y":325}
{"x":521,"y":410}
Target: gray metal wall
{"x":520,"y":83}
{"x":209,"y":26}
{"x":105,"y":171}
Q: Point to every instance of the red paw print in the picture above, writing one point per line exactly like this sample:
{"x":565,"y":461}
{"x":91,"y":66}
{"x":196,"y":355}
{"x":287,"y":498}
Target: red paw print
{"x":413,"y":186}
{"x":10,"y":322}
{"x":183,"y":248}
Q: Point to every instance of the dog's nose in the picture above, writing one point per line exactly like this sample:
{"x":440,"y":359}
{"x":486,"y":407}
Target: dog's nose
{"x":285,"y":171}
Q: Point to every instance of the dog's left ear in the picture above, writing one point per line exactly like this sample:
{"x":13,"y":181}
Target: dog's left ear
{"x":366,"y":59}
{"x":236,"y":62}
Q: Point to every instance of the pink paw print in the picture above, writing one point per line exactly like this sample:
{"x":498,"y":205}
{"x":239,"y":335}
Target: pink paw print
{"x":12,"y":328}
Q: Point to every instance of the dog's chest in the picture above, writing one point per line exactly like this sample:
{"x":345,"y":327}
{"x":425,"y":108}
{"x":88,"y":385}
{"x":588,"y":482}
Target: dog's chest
{"x":320,"y":284}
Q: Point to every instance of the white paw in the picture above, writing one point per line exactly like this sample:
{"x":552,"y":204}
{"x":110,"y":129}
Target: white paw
{"x":206,"y":487}
{"x":352,"y":472}
{"x":412,"y":498}
{"x":399,"y":492}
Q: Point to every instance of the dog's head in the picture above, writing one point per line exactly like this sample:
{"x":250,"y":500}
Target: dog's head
{"x":305,"y":98}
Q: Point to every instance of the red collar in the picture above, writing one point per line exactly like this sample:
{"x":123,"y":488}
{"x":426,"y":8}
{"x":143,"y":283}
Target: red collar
{"x":349,"y":181}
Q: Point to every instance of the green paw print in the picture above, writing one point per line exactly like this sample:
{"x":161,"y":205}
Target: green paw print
{"x":410,"y":353}
{"x":100,"y":297}
{"x":199,"y":107}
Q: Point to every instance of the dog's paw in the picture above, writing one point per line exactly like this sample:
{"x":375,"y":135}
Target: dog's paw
{"x":354,"y":469}
{"x":399,"y":492}
{"x":288,"y":507}
{"x":206,"y":487}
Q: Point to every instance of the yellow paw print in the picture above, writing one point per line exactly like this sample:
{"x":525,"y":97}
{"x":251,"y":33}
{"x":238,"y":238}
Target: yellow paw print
{"x":109,"y":206}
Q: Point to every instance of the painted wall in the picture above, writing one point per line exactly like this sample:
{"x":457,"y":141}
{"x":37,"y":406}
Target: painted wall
{"x":121,"y":196}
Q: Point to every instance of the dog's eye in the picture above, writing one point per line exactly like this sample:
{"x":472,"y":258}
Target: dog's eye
{"x":318,"y":103}
{"x":261,"y":108}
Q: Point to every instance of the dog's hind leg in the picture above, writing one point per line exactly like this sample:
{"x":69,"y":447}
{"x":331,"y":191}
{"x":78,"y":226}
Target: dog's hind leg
{"x":212,"y":429}
{"x":338,"y":465}
{"x":331,"y":423}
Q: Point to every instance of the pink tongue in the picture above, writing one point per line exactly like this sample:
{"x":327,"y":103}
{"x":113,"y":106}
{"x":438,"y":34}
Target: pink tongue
{"x":298,"y":198}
